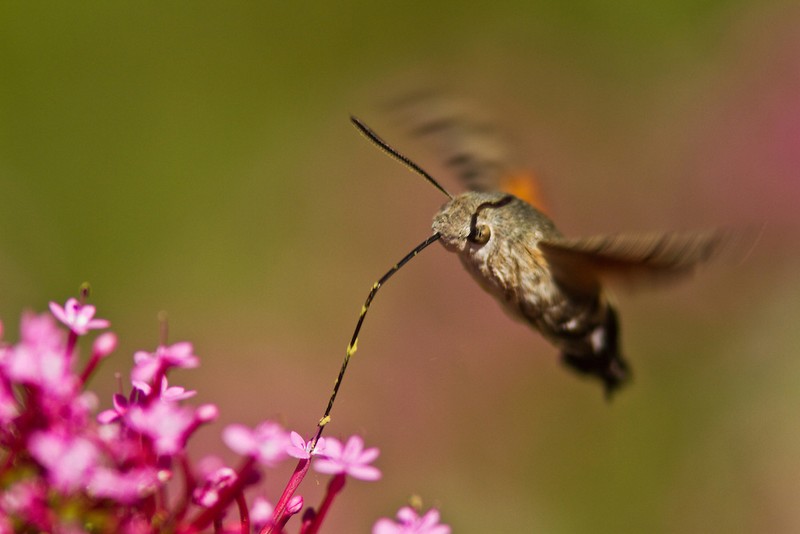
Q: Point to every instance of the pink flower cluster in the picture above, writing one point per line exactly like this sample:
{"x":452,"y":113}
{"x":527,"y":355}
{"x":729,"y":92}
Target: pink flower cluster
{"x":64,"y":469}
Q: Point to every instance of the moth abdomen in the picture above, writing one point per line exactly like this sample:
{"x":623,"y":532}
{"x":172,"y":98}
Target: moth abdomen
{"x":598,"y":355}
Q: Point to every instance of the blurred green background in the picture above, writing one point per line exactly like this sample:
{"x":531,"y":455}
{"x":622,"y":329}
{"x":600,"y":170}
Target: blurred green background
{"x":197,"y":158}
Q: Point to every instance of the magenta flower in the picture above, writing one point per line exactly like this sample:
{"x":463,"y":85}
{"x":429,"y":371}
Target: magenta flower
{"x":64,"y":468}
{"x":69,"y":460}
{"x":148,"y":365}
{"x":409,"y":522}
{"x":78,"y":317}
{"x":208,"y":494}
{"x":104,"y":345}
{"x":267,"y":443}
{"x":175,"y":393}
{"x":120,"y":408}
{"x":43,"y":367}
{"x":40,"y":331}
{"x":168,"y":393}
{"x":261,"y":512}
{"x":121,"y":405}
{"x":40,"y":358}
{"x":124,"y":487}
{"x":205,"y":413}
{"x":166,"y":423}
{"x":295,"y":505}
{"x":26,"y":499}
{"x":298,"y":448}
{"x":351,"y":459}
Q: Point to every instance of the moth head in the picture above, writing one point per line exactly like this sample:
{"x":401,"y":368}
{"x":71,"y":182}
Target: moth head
{"x":469,"y":220}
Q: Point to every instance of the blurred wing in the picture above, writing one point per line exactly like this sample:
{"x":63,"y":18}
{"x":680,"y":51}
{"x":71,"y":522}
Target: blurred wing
{"x":581,"y":264}
{"x":468,"y":142}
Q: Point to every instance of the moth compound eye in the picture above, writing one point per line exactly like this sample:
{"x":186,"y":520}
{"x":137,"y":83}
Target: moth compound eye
{"x":480,"y":234}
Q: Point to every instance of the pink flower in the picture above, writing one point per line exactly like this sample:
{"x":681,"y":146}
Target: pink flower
{"x":120,"y":408}
{"x":167,"y":424}
{"x":123,"y":487}
{"x":42,"y":366}
{"x":409,"y":522}
{"x":208,"y":494}
{"x":78,"y":317}
{"x":302,"y":450}
{"x":175,"y":393}
{"x":148,"y":365}
{"x":26,"y":499}
{"x":104,"y":345}
{"x":40,"y":331}
{"x":261,"y":512}
{"x":168,"y":393}
{"x":351,"y":459}
{"x":267,"y":443}
{"x":294,"y":505}
{"x":65,"y":468}
{"x":69,"y":460}
{"x":40,"y":359}
{"x":205,"y":413}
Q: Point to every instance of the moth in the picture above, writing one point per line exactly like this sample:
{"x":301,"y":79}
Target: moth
{"x":515,"y":252}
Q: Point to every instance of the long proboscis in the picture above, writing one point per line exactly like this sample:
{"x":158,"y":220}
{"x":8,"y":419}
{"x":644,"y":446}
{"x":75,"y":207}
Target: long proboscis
{"x":352,"y":347}
{"x":389,"y":149}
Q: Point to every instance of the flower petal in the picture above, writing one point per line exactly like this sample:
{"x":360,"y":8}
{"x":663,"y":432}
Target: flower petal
{"x":364,"y":472}
{"x":369,"y":455}
{"x":328,"y":467}
{"x":240,"y":439}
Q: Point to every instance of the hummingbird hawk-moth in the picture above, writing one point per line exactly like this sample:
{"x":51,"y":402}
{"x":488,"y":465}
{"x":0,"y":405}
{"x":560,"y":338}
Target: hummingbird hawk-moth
{"x":516,"y":253}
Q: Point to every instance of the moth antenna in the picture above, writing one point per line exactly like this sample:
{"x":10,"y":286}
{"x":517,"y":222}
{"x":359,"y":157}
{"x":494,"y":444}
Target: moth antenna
{"x":386,"y":147}
{"x":353,"y":346}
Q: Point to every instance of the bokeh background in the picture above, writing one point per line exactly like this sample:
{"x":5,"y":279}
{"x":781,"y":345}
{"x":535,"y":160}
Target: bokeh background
{"x":198,"y":159}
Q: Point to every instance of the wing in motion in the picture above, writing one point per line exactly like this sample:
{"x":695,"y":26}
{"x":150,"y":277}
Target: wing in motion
{"x":579,"y":265}
{"x":468,"y":143}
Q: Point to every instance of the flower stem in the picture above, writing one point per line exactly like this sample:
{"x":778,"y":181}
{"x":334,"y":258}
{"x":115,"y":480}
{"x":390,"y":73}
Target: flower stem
{"x":72,"y":339}
{"x":226,"y":497}
{"x":244,"y":515}
{"x":90,"y":367}
{"x":334,"y":487}
{"x":189,"y":484}
{"x":291,"y":486}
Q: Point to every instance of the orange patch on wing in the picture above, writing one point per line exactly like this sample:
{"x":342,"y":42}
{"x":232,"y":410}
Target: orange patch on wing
{"x":524,"y":185}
